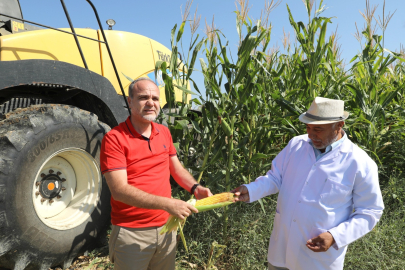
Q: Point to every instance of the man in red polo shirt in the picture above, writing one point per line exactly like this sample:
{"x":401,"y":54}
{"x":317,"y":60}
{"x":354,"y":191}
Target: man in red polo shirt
{"x":137,"y":158}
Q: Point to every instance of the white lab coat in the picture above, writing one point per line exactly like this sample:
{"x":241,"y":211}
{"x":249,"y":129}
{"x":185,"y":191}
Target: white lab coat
{"x":338,"y":193}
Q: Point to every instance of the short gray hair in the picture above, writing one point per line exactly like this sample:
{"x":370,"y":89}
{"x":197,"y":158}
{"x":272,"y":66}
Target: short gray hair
{"x":335,"y":124}
{"x":131,"y":86}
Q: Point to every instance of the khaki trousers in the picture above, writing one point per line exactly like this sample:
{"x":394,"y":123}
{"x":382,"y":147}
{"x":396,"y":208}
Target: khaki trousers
{"x":142,"y":249}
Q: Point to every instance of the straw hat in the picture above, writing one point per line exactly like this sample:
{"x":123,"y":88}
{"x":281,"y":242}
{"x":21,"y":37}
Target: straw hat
{"x":324,"y":111}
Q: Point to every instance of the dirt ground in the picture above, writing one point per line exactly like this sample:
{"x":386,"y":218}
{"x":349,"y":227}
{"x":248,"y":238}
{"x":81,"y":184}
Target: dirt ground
{"x":95,"y":260}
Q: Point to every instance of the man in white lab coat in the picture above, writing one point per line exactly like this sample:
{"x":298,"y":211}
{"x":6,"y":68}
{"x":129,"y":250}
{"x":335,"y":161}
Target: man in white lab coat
{"x":329,"y":195}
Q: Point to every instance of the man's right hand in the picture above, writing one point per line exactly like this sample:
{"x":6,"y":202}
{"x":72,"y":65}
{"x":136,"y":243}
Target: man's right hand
{"x":180,"y":209}
{"x":243,"y":194}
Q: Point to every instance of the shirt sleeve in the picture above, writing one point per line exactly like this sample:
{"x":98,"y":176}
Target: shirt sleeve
{"x":271,"y":182}
{"x":368,"y":208}
{"x":112,"y":156}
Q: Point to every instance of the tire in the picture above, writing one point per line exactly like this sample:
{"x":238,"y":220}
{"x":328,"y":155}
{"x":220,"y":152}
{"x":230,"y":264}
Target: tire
{"x":42,"y":149}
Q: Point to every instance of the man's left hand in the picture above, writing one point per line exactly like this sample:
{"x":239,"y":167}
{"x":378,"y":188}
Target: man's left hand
{"x":202,"y":192}
{"x":321,"y":243}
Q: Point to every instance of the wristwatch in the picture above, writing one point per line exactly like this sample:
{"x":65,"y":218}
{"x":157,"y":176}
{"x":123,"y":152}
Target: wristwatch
{"x":193,"y":188}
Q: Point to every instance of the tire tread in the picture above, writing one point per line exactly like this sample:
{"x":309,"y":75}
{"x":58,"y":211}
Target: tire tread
{"x":15,"y":131}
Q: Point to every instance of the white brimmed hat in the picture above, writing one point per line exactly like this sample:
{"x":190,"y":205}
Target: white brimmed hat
{"x":324,"y":111}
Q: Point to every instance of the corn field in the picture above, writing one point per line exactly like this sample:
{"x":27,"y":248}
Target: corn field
{"x":249,"y":111}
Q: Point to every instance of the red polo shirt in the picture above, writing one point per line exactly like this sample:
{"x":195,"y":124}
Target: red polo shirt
{"x":147,"y":165}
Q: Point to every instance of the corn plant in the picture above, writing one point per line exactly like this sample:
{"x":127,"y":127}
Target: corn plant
{"x":238,"y":82}
{"x":176,"y":75}
{"x":251,"y":106}
{"x":311,"y":69}
{"x":372,"y":99}
{"x":311,"y":58}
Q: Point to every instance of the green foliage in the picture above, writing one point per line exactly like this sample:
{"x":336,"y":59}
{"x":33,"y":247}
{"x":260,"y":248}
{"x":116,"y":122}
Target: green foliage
{"x":249,"y":113}
{"x":372,"y":98}
{"x":384,"y":246}
{"x":247,"y":238}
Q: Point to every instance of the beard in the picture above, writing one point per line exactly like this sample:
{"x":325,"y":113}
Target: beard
{"x":333,"y":138}
{"x":151,"y":117}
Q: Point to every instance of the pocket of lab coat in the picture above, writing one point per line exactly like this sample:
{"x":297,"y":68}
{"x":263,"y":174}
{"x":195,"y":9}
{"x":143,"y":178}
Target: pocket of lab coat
{"x":334,"y":193}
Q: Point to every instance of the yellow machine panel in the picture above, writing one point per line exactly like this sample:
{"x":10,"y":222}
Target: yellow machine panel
{"x":132,"y":56}
{"x":135,"y":56}
{"x":52,"y":45}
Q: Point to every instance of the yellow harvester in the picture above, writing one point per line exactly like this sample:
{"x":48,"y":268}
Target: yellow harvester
{"x":59,"y":94}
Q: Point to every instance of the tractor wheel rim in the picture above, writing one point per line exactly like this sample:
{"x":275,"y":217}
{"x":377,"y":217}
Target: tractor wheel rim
{"x":67,"y":188}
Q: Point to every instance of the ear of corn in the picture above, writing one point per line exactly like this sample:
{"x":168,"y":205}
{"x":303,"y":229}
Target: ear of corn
{"x":209,"y":203}
{"x":227,"y":129}
{"x":246,"y":126}
{"x":216,"y":201}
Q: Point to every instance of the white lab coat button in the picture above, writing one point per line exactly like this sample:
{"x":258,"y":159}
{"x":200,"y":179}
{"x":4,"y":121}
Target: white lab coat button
{"x":294,"y":220}
{"x":299,"y":201}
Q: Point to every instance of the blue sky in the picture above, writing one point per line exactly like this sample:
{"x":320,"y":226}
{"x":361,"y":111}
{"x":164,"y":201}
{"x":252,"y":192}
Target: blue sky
{"x":155,"y":19}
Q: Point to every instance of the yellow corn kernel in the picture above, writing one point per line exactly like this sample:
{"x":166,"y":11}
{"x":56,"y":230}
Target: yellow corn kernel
{"x":218,"y":198}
